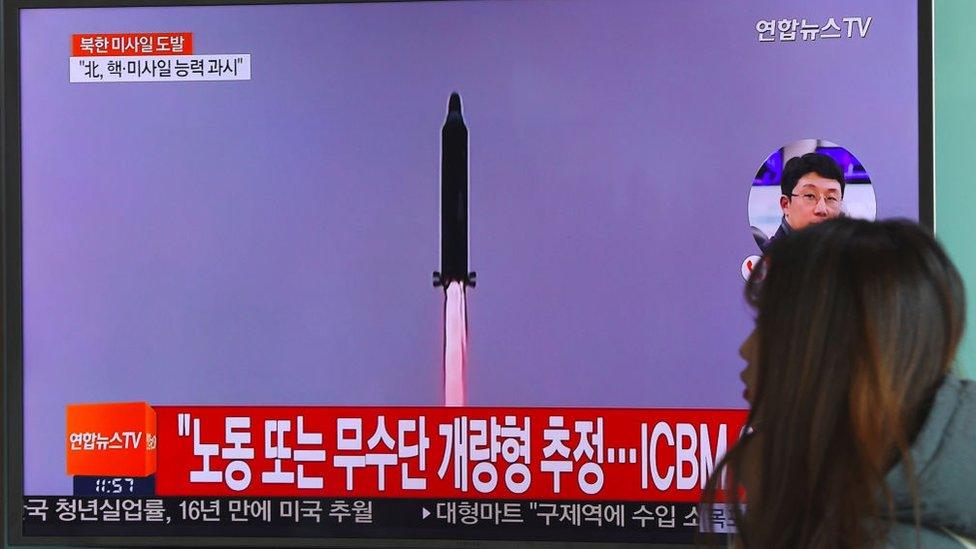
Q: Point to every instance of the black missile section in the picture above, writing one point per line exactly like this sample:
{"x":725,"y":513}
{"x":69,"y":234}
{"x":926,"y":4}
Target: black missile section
{"x":454,"y":199}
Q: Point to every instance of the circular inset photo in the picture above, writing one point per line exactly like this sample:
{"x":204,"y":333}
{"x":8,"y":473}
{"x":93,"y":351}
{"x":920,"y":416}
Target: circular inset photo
{"x":805,"y":182}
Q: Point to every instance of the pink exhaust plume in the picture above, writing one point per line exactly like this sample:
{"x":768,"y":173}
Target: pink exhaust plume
{"x":455,"y":344}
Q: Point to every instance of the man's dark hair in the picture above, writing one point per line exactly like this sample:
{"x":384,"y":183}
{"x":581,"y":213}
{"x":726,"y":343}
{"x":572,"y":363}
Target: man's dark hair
{"x":817,"y":163}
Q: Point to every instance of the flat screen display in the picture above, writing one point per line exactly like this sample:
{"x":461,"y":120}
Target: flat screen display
{"x":415,"y":270}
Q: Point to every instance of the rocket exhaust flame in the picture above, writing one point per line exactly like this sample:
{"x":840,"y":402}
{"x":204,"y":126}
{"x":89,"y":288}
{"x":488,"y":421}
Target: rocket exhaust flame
{"x":455,"y":344}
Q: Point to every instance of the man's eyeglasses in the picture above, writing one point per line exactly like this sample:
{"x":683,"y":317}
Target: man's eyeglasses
{"x":833,"y":202}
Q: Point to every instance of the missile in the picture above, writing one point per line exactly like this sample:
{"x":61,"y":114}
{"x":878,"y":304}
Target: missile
{"x":454,"y":199}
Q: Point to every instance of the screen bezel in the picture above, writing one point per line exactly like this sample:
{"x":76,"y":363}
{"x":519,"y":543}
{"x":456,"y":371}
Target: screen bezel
{"x":11,"y":398}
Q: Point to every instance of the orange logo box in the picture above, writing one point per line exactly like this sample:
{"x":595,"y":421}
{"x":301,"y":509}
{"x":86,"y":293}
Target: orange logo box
{"x":113,"y":439}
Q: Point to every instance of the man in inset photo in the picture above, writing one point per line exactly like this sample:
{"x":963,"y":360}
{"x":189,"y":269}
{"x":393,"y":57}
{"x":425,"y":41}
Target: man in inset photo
{"x":813,"y":191}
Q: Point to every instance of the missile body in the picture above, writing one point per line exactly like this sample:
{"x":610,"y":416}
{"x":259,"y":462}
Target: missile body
{"x":454,"y":199}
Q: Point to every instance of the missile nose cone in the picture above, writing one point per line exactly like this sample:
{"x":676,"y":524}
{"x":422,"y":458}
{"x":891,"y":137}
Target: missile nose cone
{"x":454,"y":105}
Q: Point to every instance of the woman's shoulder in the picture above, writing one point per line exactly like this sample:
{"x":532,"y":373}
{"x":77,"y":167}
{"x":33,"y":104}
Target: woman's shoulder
{"x":944,"y":456}
{"x":903,"y":536}
{"x":947,"y":435}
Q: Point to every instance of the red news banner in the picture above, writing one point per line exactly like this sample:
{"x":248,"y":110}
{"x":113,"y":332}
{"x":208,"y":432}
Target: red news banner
{"x":131,"y":44}
{"x":404,"y":452}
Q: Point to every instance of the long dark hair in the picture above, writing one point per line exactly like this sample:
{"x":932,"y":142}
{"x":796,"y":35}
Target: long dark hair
{"x":857,"y":324}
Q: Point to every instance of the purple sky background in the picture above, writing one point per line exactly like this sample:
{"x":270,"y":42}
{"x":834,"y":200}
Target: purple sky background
{"x":272,"y":241}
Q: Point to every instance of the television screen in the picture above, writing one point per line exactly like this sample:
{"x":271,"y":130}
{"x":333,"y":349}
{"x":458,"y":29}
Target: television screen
{"x":403,"y":272}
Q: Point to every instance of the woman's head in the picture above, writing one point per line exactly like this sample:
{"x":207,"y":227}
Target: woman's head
{"x":857,"y":323}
